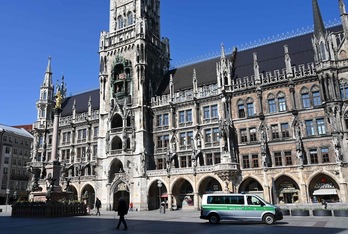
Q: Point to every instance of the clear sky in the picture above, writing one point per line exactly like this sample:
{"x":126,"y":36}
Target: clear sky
{"x":68,"y":31}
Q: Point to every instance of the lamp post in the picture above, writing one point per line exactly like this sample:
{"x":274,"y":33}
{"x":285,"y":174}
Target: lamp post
{"x":159,"y":185}
{"x":7,"y":193}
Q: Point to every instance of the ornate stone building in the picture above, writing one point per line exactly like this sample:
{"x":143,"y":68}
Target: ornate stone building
{"x":269,"y":120}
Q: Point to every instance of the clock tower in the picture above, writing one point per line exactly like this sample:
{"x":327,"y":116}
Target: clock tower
{"x":133,"y":61}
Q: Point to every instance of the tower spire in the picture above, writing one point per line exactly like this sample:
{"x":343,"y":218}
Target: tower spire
{"x":319,"y":28}
{"x":344,"y":17}
{"x":48,"y":74}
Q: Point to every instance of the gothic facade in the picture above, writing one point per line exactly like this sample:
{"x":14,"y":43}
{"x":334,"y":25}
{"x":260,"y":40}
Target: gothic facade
{"x":270,"y":120}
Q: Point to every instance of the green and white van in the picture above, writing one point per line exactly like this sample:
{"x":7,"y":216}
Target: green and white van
{"x":239,"y":207}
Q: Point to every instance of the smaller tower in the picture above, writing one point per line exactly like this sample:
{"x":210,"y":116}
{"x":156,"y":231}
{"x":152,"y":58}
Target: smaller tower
{"x":46,"y":103}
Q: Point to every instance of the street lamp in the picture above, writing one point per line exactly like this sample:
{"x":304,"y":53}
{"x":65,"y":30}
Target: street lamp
{"x":7,"y":193}
{"x":159,"y":185}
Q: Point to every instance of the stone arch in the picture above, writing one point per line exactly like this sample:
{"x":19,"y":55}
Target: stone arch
{"x":116,"y":143}
{"x":251,"y":185}
{"x":322,"y":186}
{"x":183,"y":193}
{"x":285,"y":190}
{"x":208,"y":184}
{"x":157,"y":195}
{"x":73,"y":190}
{"x":116,"y":167}
{"x":88,"y":195}
{"x":119,"y":188}
{"x":117,"y":121}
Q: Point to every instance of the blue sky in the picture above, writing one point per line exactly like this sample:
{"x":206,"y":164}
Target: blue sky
{"x":68,"y":31}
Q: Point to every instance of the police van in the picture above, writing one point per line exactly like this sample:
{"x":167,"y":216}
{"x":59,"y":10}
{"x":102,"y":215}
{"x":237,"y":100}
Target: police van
{"x":239,"y":207}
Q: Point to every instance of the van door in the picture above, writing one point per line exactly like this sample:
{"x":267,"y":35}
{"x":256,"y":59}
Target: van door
{"x":234,"y":207}
{"x":254,"y":208}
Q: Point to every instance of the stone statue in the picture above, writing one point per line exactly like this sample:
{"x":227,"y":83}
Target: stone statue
{"x":59,"y":99}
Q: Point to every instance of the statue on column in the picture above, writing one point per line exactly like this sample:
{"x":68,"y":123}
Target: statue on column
{"x":299,"y":146}
{"x":337,"y":148}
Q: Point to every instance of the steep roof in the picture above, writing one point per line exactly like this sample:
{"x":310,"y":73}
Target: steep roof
{"x":271,"y":57}
{"x":15,"y":131}
{"x":81,"y":102}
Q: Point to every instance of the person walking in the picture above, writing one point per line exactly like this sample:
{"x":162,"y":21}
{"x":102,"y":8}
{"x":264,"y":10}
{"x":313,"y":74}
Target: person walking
{"x":98,"y":205}
{"x":122,"y":211}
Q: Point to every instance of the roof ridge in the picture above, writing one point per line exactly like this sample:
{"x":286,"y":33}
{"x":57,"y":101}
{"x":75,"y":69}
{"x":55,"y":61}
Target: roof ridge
{"x":254,"y":44}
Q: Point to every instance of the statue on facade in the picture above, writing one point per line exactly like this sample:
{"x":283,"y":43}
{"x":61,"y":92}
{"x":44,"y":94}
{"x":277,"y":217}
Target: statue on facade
{"x":299,"y":146}
{"x":337,"y":148}
{"x":59,"y":99}
{"x":168,"y":162}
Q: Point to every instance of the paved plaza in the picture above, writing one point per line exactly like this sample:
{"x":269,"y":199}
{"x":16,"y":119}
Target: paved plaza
{"x":181,"y":221}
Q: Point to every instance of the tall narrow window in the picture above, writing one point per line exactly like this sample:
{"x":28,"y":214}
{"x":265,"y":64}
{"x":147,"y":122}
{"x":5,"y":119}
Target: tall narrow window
{"x":208,"y":136}
{"x":309,"y":127}
{"x":255,"y":160}
{"x":251,"y":111}
{"x":243,"y":136}
{"x":216,"y":132}
{"x":214,"y":112}
{"x":272,"y":105}
{"x":281,"y":102}
{"x":241,"y":111}
{"x":313,"y":156}
{"x":316,"y":98}
{"x":325,"y":155}
{"x":275,"y":131}
{"x":278,"y":159}
{"x":288,"y":158}
{"x":321,"y":126}
{"x":285,"y":130}
{"x":253,"y":135}
{"x":246,"y":163}
{"x":206,"y":112}
{"x":181,"y":116}
{"x":305,"y":100}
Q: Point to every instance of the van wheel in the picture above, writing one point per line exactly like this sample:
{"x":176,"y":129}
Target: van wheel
{"x":214,"y":219}
{"x":268,"y":219}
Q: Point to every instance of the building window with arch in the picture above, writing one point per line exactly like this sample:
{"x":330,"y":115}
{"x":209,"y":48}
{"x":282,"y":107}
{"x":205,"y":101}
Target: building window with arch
{"x":281,"y":102}
{"x":316,"y":96}
{"x":305,"y":98}
{"x":272,"y":107}
{"x":241,"y":110}
{"x":120,"y":22}
{"x":250,"y":107}
{"x":130,"y":18}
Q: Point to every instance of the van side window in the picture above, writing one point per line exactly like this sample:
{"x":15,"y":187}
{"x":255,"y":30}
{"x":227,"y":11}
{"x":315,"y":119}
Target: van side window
{"x":237,"y":200}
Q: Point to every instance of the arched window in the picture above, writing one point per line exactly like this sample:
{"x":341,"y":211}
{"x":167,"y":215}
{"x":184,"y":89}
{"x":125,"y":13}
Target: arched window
{"x":129,"y":18}
{"x":316,"y":95}
{"x":250,"y":107}
{"x":241,"y":109}
{"x":305,"y":98}
{"x":272,"y":107}
{"x":120,"y":22}
{"x":281,"y":101}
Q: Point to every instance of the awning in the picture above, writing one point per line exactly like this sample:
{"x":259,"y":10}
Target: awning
{"x":164,"y":195}
{"x":325,"y":192}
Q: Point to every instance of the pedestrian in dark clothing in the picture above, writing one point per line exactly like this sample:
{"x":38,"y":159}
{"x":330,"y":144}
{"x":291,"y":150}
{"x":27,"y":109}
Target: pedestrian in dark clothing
{"x":98,"y":205}
{"x":122,"y":211}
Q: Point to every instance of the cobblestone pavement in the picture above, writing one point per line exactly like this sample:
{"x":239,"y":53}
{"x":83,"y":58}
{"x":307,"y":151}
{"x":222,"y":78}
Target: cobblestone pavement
{"x":181,"y":221}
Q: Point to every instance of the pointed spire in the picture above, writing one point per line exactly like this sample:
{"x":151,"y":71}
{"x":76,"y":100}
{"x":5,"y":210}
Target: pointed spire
{"x":195,"y":86}
{"x":223,"y":54}
{"x":48,"y":69}
{"x":342,"y":7}
{"x":48,"y":75}
{"x":256,"y":69}
{"x":319,"y":28}
{"x":344,"y":17}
